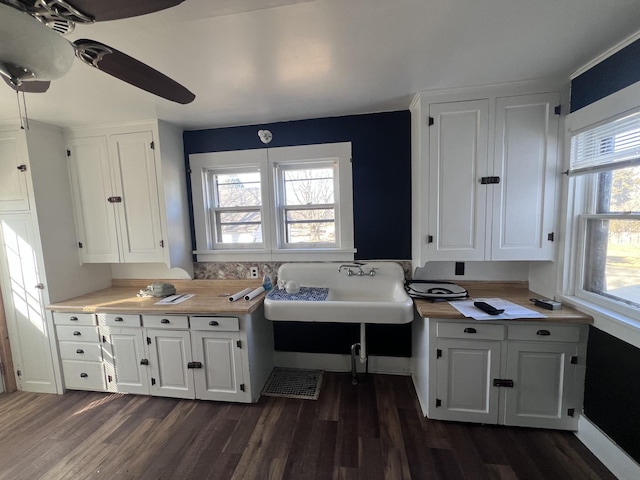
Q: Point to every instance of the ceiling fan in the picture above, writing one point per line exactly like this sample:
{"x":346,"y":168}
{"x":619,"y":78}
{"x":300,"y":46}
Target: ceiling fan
{"x":33,"y":50}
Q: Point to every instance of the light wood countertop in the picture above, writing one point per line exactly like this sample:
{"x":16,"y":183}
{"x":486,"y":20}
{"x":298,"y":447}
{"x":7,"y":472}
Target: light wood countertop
{"x":516,"y":292}
{"x":210,"y":297}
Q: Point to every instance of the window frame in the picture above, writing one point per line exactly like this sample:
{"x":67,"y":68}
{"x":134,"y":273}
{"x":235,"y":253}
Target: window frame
{"x":268,"y":161}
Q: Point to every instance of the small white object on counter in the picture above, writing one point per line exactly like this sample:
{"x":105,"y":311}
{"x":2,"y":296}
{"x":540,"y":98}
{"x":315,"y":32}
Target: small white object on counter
{"x":239,"y":295}
{"x":511,"y":310}
{"x":254,"y":293}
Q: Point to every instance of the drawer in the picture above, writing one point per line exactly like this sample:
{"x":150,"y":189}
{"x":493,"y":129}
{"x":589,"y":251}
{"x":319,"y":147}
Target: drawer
{"x":77,"y":334}
{"x":470,"y":331}
{"x":118,"y":320}
{"x":545,"y":333}
{"x":222,"y":324}
{"x":90,"y":352}
{"x":83,"y":375}
{"x":64,"y":318}
{"x":166,"y":321}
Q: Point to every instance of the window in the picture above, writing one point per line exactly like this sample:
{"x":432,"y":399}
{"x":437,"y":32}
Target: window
{"x":606,"y":160}
{"x":274,"y":204}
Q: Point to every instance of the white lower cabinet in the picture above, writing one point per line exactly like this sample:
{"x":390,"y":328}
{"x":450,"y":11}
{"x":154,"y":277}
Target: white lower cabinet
{"x":525,"y":374}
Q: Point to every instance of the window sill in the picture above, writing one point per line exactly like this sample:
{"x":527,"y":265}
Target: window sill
{"x":310,"y":254}
{"x":614,"y":323}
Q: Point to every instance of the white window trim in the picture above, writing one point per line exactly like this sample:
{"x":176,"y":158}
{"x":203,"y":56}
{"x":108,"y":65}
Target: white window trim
{"x":266,"y":160}
{"x":612,"y":316}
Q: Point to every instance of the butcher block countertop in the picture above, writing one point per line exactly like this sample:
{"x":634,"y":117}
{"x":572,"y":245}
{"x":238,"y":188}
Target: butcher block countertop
{"x":516,"y":292}
{"x":210,"y":297}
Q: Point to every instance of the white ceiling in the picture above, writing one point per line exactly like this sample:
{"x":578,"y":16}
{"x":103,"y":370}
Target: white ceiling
{"x":260,"y":61}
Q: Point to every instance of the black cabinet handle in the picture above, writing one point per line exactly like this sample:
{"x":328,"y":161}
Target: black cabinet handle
{"x":80,"y":351}
{"x":470,"y":330}
{"x":144,"y":361}
{"x":165,"y":320}
{"x":73,"y":319}
{"x":76,"y":333}
{"x":119,"y":319}
{"x":84,"y":375}
{"x":544,"y":333}
{"x":213,"y":323}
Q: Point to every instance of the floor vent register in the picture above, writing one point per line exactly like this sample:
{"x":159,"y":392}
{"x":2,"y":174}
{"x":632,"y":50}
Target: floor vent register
{"x":293,"y":383}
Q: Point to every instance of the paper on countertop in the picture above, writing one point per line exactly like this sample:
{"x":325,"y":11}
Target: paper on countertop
{"x":511,"y":310}
{"x":175,"y":299}
{"x":239,"y":295}
{"x":254,"y":293}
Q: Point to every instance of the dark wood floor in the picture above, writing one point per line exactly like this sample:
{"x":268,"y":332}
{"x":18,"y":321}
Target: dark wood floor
{"x":372,"y":431}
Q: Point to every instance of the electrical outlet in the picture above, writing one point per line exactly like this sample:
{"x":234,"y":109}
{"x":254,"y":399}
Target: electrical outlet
{"x":459,"y":268}
{"x":253,"y":272}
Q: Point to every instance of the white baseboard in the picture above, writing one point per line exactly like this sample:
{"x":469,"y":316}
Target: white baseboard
{"x":342,"y":363}
{"x":610,"y":454}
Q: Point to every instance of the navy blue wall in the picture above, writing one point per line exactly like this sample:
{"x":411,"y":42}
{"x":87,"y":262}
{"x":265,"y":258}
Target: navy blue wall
{"x":612,"y":386}
{"x":381,"y":149}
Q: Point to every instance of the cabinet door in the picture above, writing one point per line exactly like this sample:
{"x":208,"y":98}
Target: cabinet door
{"x":169,"y":356}
{"x":125,"y":364}
{"x":92,"y":187}
{"x":544,"y":388}
{"x":220,"y":377}
{"x":465,"y":371}
{"x":526,"y":146}
{"x":14,"y":196}
{"x":136,"y":182}
{"x":457,"y":160}
{"x":20,"y":277}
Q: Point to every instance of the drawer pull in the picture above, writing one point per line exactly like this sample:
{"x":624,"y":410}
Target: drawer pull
{"x":73,"y":319}
{"x":470,"y":330}
{"x":213,"y":323}
{"x":76,"y":333}
{"x":80,"y":351}
{"x":84,"y":375}
{"x":165,"y":320}
{"x":144,"y":361}
{"x":194,"y":365}
{"x":502,"y":382}
{"x":119,"y":319}
{"x":544,"y":333}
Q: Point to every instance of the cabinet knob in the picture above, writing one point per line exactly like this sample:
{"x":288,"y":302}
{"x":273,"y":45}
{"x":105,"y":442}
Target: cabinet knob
{"x":84,"y":375}
{"x":40,"y":286}
{"x":213,"y":323}
{"x":73,"y":319}
{"x":76,"y":333}
{"x":80,"y":351}
{"x":470,"y":330}
{"x":119,"y":319}
{"x":144,"y":361}
{"x":544,"y":333}
{"x":165,"y":320}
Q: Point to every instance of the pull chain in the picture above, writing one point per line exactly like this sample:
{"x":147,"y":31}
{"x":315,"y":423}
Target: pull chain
{"x":24,"y":121}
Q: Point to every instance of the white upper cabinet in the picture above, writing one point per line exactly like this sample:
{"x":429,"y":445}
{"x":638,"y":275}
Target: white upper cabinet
{"x":14,"y":195}
{"x":484,"y":176}
{"x":130,"y":195}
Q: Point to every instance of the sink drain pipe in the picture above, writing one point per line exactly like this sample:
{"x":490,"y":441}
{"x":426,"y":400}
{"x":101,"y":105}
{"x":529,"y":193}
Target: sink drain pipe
{"x":361,"y":347}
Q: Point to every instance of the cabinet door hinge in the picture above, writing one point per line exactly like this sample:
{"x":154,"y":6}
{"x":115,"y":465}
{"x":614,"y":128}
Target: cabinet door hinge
{"x":104,"y":339}
{"x":109,"y":378}
{"x":19,"y":373}
{"x":429,"y":238}
{"x":68,"y":152}
{"x":148,"y":340}
{"x":551,"y":237}
{"x":242,"y":387}
{"x":153,"y":381}
{"x":438,"y":402}
{"x":1,"y":368}
{"x":430,"y":121}
{"x":574,"y":360}
{"x":161,"y":243}
{"x":152,"y":145}
{"x":239,"y":344}
{"x":438,"y":353}
{"x":558,"y":109}
{"x":22,"y":168}
{"x":79,"y":244}
{"x":571,"y":412}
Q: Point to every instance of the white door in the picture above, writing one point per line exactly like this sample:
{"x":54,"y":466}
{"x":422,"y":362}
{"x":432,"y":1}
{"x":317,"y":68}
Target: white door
{"x":92,"y":189}
{"x":136,"y":181}
{"x":526,"y":146}
{"x":465,"y":373}
{"x":124,"y":360}
{"x":169,"y":357}
{"x":543,"y":385}
{"x":220,"y":375}
{"x":14,"y":195}
{"x":458,"y":142}
{"x":20,"y":274}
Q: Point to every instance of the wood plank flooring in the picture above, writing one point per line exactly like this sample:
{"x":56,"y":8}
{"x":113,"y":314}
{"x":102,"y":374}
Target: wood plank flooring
{"x":369,"y":432}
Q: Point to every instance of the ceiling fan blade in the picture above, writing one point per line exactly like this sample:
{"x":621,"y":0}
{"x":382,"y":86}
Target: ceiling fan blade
{"x":30,"y":86}
{"x":130,"y":70}
{"x":103,"y":10}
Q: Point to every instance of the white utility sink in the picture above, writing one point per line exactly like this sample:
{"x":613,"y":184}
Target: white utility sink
{"x":355,"y":298}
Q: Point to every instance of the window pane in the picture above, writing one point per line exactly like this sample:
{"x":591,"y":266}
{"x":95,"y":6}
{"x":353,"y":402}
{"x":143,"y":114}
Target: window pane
{"x":310,"y":226}
{"x":239,"y":227}
{"x":238,"y":189}
{"x":619,"y":191}
{"x":310,"y":186}
{"x":612,"y":260}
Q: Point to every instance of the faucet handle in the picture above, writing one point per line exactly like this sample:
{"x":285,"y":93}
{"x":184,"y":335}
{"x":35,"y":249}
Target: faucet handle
{"x":372,"y":272}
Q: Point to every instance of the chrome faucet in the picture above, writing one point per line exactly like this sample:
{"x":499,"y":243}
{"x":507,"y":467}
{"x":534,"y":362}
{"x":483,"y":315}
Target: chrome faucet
{"x":359,"y":272}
